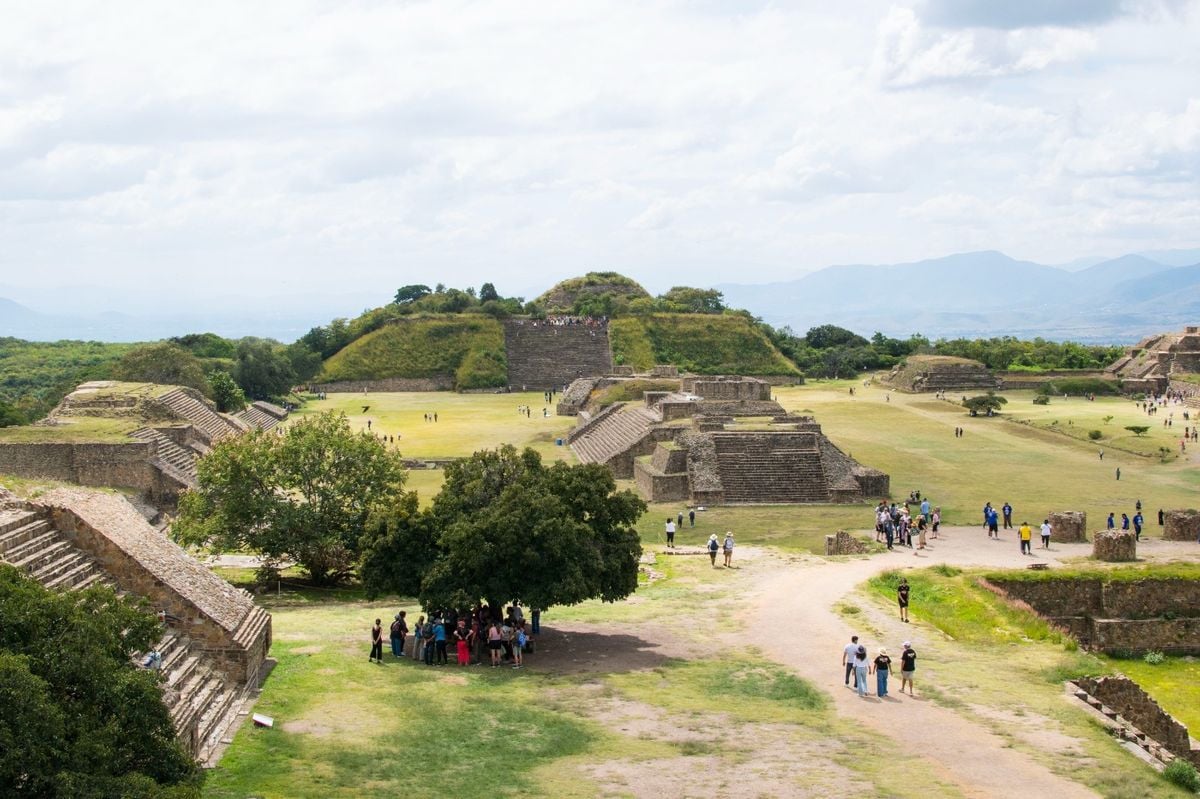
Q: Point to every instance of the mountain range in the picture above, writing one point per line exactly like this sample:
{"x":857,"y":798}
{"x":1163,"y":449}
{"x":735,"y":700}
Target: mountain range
{"x":976,"y":294}
{"x":989,"y":294}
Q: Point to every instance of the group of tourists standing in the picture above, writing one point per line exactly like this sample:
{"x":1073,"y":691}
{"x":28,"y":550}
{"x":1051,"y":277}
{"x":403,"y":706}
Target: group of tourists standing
{"x":505,"y":639}
{"x":896,"y":524}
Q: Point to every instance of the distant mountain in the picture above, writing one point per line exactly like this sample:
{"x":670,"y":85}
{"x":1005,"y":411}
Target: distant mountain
{"x":985,"y":294}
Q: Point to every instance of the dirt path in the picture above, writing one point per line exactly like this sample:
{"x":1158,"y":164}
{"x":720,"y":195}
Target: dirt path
{"x":978,"y":762}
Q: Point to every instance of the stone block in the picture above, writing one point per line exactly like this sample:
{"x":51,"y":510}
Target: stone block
{"x":1068,"y":526}
{"x":1114,"y":546}
{"x":842,"y":543}
{"x":1181,"y":525}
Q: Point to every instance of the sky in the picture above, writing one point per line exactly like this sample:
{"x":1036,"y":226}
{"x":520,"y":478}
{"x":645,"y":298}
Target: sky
{"x":264,"y":152}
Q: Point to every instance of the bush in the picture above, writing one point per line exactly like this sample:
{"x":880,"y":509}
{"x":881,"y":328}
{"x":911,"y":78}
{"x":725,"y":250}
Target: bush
{"x":1095,"y":435}
{"x":1041,"y":399}
{"x":1154,"y":658}
{"x":1183,"y":774}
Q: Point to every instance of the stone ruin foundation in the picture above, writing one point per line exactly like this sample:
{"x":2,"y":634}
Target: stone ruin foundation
{"x":1125,"y":699}
{"x":842,"y":543}
{"x":1114,"y":546}
{"x":1181,"y":525}
{"x":1068,"y":526}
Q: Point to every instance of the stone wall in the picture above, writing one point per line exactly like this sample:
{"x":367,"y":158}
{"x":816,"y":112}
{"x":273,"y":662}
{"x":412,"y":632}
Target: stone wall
{"x":842,"y":543}
{"x":1069,"y":526}
{"x":658,"y":486}
{"x":1114,"y":546}
{"x":726,"y":388}
{"x":1181,"y":525}
{"x":122,"y":465}
{"x":436,"y":383}
{"x":1134,"y":704}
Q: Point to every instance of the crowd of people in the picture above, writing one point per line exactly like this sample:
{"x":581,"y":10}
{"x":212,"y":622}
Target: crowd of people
{"x":899,"y":525}
{"x":505,"y":638}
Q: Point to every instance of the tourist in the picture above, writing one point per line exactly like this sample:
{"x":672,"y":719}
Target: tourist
{"x":430,"y":645}
{"x":1026,"y":535}
{"x":936,"y":522}
{"x":494,"y":637}
{"x":1111,"y":524}
{"x":670,"y":533}
{"x":535,"y":616}
{"x":861,"y":667}
{"x":398,"y":631}
{"x":1007,"y":515}
{"x":1124,"y":521}
{"x":506,"y":638}
{"x":1137,"y":525}
{"x":881,"y":668}
{"x":679,"y":520}
{"x":713,"y":546}
{"x":849,"y":651}
{"x":377,"y":643}
{"x":1118,"y":472}
{"x":419,"y":639}
{"x":692,"y":517}
{"x":727,"y":547}
{"x":1160,"y":517}
{"x":520,"y":640}
{"x":925,"y":508}
{"x":908,"y":665}
{"x":462,"y":639}
{"x":1101,"y":454}
{"x":920,"y":523}
{"x":439,"y":640}
{"x":902,"y":591}
{"x":1046,"y":534}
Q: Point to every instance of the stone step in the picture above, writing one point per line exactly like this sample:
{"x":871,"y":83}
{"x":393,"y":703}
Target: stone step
{"x":15,"y":537}
{"x":75,"y":578}
{"x":31,"y":547}
{"x":67,"y":560}
{"x":14,"y":519}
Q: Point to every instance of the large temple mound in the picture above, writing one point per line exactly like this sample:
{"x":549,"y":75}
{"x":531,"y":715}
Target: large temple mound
{"x":215,"y":640}
{"x":712,"y":440}
{"x":1159,"y":361}
{"x":140,"y":436}
{"x":933,"y":373}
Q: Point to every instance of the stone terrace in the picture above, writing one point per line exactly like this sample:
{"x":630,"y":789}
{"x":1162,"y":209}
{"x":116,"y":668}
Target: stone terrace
{"x":933,"y":373}
{"x":542,"y":356}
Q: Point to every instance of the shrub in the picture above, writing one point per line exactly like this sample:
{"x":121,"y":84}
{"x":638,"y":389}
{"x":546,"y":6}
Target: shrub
{"x":1183,"y":774}
{"x":1154,"y":658}
{"x":1041,"y":399}
{"x":1095,"y":435}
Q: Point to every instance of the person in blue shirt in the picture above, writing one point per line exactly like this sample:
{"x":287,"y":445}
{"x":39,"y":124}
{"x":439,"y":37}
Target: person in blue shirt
{"x":1124,"y":521}
{"x":1007,"y":515}
{"x":1137,"y":525}
{"x":439,"y":641}
{"x":1112,"y":524}
{"x":925,"y":508}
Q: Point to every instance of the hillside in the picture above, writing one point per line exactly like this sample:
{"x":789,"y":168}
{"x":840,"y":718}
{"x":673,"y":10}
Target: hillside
{"x":702,"y":343}
{"x":468,"y":348}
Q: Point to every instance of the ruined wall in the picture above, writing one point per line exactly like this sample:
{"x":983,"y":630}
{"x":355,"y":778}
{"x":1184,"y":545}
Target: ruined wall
{"x":657,"y":486}
{"x":842,"y":543}
{"x":1068,"y":526}
{"x":1114,"y":546}
{"x":123,"y":465}
{"x":1127,"y":698}
{"x":1181,"y":525}
{"x":728,"y":389}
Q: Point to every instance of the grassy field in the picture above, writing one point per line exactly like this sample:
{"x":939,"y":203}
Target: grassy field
{"x":640,"y":716}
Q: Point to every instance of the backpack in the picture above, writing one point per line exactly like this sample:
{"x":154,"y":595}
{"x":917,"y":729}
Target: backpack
{"x":712,"y":545}
{"x":396,"y":629}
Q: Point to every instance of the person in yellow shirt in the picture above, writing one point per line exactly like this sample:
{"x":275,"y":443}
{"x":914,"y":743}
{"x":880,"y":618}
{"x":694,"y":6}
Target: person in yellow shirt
{"x":1026,"y":534}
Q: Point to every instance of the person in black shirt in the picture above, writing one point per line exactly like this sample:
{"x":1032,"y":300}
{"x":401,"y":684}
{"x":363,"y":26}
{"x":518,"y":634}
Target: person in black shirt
{"x":908,"y":665}
{"x":902,"y":598}
{"x":377,"y":643}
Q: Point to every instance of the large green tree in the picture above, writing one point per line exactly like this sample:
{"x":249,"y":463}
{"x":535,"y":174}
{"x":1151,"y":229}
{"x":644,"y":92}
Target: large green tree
{"x":987,"y":403}
{"x":262,"y":368}
{"x":165,"y":363}
{"x":507,"y":527}
{"x":226,"y":393}
{"x":77,"y":719}
{"x":304,"y":496}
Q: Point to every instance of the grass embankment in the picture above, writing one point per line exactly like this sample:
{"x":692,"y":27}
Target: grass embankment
{"x":74,"y":430}
{"x":1003,"y":667}
{"x":701,"y":343}
{"x":469,"y":349}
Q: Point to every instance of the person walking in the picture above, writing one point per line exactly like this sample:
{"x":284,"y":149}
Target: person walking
{"x":1026,"y":536}
{"x":1007,"y":516}
{"x":1137,"y":524}
{"x":936,"y":522}
{"x":1112,"y":524}
{"x":861,"y":666}
{"x":881,"y":668}
{"x":908,"y":666}
{"x":692,"y":517}
{"x":670,"y":533}
{"x":377,"y":643}
{"x":1046,"y":534}
{"x":1124,"y":521}
{"x":713,"y":546}
{"x":679,"y":520}
{"x":727,"y":547}
{"x":1118,"y":473}
{"x":849,"y":651}
{"x":902,"y":591}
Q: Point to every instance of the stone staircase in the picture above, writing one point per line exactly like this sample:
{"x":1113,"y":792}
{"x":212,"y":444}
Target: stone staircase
{"x":184,"y":404}
{"x":29,"y":542}
{"x":615,"y":433}
{"x":258,"y":418}
{"x":202,"y":702}
{"x":546,"y":356}
{"x":770,"y":468}
{"x":171,"y":458}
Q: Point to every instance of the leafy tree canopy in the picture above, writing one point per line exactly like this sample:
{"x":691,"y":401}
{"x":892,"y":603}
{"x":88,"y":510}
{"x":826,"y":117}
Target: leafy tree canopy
{"x":1138,"y":429}
{"x":226,"y":393}
{"x":410,"y":293}
{"x":165,"y":363}
{"x":304,"y":496}
{"x":77,"y":719}
{"x":487,"y":293}
{"x":507,"y":527}
{"x":691,"y":300}
{"x":984,"y":403}
{"x":263,"y":369}
{"x":206,"y":345}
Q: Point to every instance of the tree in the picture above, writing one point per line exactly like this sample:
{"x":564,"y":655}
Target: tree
{"x":226,"y":393}
{"x":164,"y":363}
{"x":411,"y":293}
{"x":1138,"y":429}
{"x":262,"y":369}
{"x":487,"y":292}
{"x":10,"y":414}
{"x":987,"y":403}
{"x":507,"y":527}
{"x":304,"y":496}
{"x":77,"y":719}
{"x":206,"y":345}
{"x":693,"y":300}
{"x":825,"y":336}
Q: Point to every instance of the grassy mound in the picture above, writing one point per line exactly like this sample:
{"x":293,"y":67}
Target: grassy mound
{"x":701,"y":343}
{"x":469,"y":348}
{"x":564,"y":295}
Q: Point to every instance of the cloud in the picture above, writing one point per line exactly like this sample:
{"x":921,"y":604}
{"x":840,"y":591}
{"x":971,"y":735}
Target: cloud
{"x":1011,"y":14}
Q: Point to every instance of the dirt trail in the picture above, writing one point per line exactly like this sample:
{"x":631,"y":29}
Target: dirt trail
{"x":978,"y":762}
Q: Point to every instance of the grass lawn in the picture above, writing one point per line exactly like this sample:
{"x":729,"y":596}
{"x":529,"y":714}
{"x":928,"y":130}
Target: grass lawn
{"x":1174,"y":684}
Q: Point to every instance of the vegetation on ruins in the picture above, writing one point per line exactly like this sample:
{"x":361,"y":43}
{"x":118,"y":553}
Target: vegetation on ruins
{"x":508,"y":527}
{"x":34,"y":376}
{"x":88,"y":725}
{"x":304,"y":496}
{"x":705,"y":344}
{"x":1010,"y":353}
{"x":226,"y":393}
{"x":164,"y":363}
{"x":988,"y":403}
{"x":262,"y":369}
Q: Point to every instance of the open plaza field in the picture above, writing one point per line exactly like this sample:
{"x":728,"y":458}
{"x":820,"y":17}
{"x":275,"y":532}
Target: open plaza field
{"x":725,"y":682}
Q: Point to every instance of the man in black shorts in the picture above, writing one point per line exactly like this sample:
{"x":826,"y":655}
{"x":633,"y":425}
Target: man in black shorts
{"x":908,"y":665}
{"x":902,"y":598}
